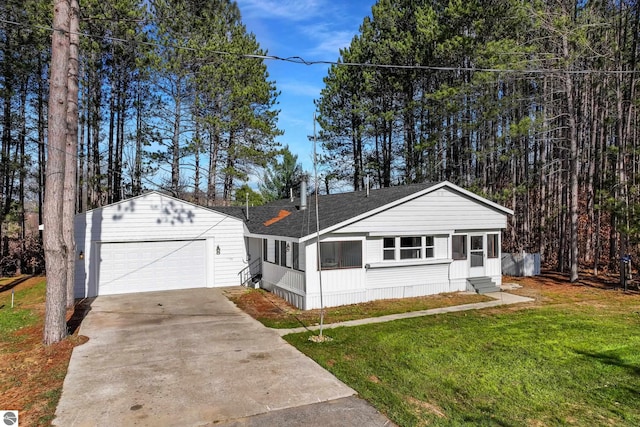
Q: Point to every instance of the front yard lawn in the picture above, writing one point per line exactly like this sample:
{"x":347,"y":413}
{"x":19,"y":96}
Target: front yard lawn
{"x":273,"y":312}
{"x":546,"y":363}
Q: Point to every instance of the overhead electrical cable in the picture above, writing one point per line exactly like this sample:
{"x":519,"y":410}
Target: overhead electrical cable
{"x":301,"y":61}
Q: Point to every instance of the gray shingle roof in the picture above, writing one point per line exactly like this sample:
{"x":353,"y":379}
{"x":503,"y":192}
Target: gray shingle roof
{"x":333,"y":209}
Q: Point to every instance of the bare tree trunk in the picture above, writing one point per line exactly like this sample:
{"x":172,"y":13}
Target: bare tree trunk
{"x":71,"y":150}
{"x":5,"y":151}
{"x":110,"y":149}
{"x":573,"y":165}
{"x":55,"y":328}
{"x":196,"y":177}
{"x":175,"y":141}
{"x":214,"y":149}
{"x":228,"y":174}
{"x":94,"y":178}
{"x":82,"y":177}
{"x":117,"y":162}
{"x":23,"y":174}
{"x":590,"y":184}
{"x":41,"y":146}
{"x":137,"y":170}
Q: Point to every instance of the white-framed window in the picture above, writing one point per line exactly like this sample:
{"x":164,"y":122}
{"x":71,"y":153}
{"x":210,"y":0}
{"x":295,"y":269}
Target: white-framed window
{"x":389,"y":248}
{"x":408,"y":247}
{"x":342,"y":254}
{"x":459,"y":246}
{"x":429,"y":246}
{"x":283,"y":253}
{"x":411,"y":247}
{"x":265,"y":249}
{"x":493,"y":248}
{"x":295,"y":255}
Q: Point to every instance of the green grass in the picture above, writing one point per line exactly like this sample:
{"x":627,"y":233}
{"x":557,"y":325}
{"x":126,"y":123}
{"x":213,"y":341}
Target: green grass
{"x":20,"y":316}
{"x":555,"y":365}
{"x":12,"y":319}
{"x":51,"y":397}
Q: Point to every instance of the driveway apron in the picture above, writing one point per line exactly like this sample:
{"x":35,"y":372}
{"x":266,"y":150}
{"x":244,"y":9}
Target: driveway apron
{"x":187,"y":358}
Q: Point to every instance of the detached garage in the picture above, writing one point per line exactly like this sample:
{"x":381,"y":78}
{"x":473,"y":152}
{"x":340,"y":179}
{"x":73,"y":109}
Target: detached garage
{"x":156,"y":242}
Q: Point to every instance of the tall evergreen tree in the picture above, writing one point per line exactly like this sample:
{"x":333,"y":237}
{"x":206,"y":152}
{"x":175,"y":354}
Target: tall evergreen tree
{"x":55,"y":325}
{"x":282,"y":177}
{"x":519,"y":100}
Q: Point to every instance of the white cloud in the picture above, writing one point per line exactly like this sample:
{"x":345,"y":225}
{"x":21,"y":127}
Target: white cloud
{"x":299,"y":127}
{"x":330,"y":43}
{"x":323,"y":27}
{"x":299,"y":88}
{"x":293,"y":10}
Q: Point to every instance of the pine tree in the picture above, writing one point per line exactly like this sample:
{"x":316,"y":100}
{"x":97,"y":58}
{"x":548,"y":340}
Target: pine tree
{"x":55,"y":327}
{"x":281,"y":178}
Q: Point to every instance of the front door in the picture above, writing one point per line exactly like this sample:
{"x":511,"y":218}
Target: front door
{"x":476,"y":255}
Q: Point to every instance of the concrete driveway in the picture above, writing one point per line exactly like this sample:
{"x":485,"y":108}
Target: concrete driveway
{"x":191,"y":358}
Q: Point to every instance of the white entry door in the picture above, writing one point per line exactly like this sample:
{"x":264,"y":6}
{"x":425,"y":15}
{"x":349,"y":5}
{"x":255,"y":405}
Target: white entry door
{"x":477,"y":255}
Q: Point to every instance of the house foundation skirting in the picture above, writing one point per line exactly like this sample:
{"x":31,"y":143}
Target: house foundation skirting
{"x":335,"y":299}
{"x":292,"y":296}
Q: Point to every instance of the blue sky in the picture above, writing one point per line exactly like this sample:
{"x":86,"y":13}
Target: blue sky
{"x":313,"y":30}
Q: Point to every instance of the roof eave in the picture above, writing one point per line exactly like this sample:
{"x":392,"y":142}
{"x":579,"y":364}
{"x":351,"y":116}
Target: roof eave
{"x":402,"y":200}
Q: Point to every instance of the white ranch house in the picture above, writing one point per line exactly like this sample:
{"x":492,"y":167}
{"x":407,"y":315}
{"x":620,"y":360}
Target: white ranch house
{"x":394,"y":242}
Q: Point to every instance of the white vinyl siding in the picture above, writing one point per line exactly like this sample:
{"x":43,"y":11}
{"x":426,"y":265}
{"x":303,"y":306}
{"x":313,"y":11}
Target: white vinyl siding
{"x":432,"y":213}
{"x":441,"y":247}
{"x":160,"y":218}
{"x":402,"y":282}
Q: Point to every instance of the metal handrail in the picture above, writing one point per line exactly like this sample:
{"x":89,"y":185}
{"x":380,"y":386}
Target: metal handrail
{"x":246,"y":274}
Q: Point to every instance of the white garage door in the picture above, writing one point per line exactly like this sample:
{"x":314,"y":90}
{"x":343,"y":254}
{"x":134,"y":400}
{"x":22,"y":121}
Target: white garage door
{"x":151,"y":266}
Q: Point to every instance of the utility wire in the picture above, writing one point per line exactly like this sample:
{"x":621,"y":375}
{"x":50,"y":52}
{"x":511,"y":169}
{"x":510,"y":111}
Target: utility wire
{"x":301,"y":61}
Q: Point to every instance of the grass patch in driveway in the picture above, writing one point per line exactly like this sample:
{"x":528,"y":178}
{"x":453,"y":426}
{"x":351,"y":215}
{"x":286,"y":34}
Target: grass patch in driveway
{"x":273,"y":312}
{"x":560,"y":364}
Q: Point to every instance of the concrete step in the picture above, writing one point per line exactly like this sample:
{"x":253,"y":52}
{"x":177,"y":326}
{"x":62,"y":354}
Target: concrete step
{"x":483,"y":285}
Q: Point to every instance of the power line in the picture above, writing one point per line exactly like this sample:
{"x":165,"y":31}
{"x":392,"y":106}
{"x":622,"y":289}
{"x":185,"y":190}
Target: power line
{"x":301,"y":61}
